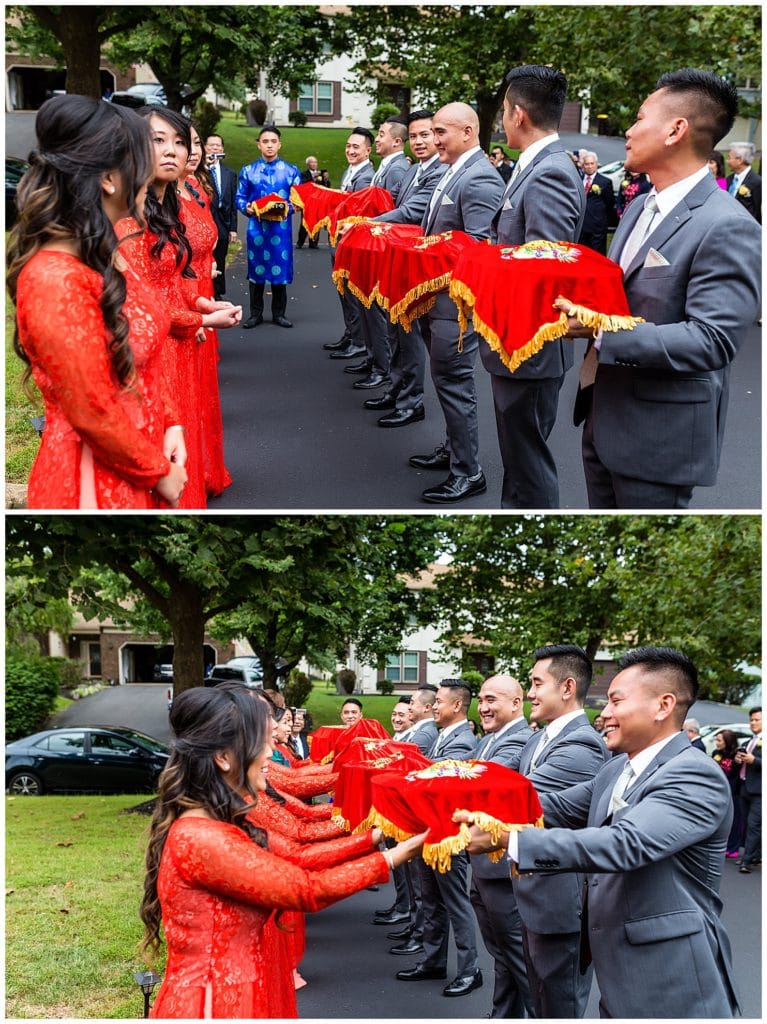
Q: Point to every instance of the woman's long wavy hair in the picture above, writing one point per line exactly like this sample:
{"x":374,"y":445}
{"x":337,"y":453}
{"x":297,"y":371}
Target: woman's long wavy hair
{"x":163,"y":218}
{"x":205,"y":722}
{"x":202,"y":173}
{"x":59,"y":200}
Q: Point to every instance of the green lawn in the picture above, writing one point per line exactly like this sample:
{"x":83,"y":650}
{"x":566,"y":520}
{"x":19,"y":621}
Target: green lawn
{"x":74,"y":871}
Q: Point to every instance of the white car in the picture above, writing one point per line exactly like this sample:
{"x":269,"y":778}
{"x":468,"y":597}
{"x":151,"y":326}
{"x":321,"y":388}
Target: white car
{"x":708,"y":734}
{"x":614,"y":171}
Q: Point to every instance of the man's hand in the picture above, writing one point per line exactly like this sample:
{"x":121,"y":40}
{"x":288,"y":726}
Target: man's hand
{"x":481,"y":842}
{"x":575,"y":329}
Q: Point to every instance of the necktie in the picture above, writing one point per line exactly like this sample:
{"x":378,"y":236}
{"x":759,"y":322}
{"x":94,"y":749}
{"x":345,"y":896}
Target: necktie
{"x":484,"y":751}
{"x":587,"y":184}
{"x":377,"y":176}
{"x":540,"y":748}
{"x":620,"y":787}
{"x":749,"y":750}
{"x":733,"y":185}
{"x":640,"y":232}
{"x":217,"y":180}
{"x":514,"y":175}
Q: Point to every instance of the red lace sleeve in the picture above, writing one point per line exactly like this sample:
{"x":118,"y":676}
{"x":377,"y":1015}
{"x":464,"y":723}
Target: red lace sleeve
{"x":276,"y":817}
{"x":307,"y":812}
{"x":303,"y":781}
{"x":223,"y":860}
{"x":320,"y":855}
{"x":62,"y":330}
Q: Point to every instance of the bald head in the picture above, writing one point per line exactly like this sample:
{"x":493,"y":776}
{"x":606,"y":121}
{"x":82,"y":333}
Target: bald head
{"x":456,"y":131}
{"x":499,"y":702}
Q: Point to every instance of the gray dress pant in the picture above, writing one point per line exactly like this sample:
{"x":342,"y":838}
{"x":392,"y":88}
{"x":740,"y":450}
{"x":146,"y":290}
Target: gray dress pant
{"x":501,"y":927}
{"x":375,"y":336}
{"x":446,"y":902}
{"x":350,"y":308}
{"x":557,"y":987}
{"x":407,"y":365}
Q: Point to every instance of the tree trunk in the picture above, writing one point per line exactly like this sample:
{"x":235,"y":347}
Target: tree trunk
{"x":78,"y":32}
{"x":188,"y":624}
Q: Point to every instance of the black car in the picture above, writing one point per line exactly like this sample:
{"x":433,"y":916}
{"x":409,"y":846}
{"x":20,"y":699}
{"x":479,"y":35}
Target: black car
{"x":94,"y":758}
{"x":15,"y":169}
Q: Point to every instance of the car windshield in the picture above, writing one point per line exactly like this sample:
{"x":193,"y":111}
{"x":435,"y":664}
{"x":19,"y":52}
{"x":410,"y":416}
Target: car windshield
{"x":143,"y":740}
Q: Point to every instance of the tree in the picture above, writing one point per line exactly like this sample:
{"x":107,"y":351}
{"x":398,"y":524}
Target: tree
{"x":290,"y":583}
{"x":619,"y":581}
{"x":72,"y":36}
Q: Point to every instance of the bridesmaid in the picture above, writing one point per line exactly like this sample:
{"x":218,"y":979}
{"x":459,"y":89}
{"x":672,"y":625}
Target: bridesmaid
{"x":212,"y":883}
{"x":162,"y":255}
{"x":195,"y":192}
{"x":90,"y":330}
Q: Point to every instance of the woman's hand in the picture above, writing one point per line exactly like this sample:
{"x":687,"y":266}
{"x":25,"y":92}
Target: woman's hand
{"x":406,"y":850}
{"x":173,"y":446}
{"x":377,"y":836}
{"x":229,"y":316}
{"x":205,"y":305}
{"x":171,"y":487}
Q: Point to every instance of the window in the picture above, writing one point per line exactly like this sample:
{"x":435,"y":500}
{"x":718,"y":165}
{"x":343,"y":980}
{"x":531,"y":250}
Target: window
{"x":67,"y":742}
{"x":102,"y":742}
{"x":402,"y":667}
{"x":94,"y":659}
{"x":316,"y":97}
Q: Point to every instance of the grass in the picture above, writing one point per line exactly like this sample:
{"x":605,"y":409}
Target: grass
{"x":74,"y":869}
{"x":21,"y":440}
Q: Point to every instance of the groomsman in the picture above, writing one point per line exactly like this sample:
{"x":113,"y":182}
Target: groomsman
{"x":465,"y":199}
{"x":544,"y":199}
{"x":223,"y":207}
{"x":408,"y":355}
{"x":358,"y":175}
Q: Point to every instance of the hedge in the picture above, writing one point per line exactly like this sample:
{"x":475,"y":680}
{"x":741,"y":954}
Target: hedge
{"x":31,"y":689}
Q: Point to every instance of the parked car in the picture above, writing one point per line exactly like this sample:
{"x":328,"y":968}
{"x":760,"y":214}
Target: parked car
{"x":102,"y":759}
{"x":15,"y":169}
{"x":162,"y":672}
{"x":614,"y":171}
{"x":252,"y":677}
{"x":140,"y":95}
{"x":708,"y":734}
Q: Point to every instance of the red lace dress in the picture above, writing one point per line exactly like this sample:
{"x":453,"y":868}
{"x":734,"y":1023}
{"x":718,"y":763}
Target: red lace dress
{"x":300,"y":782}
{"x":217,"y":890}
{"x":203,"y":235}
{"x":181,"y":360}
{"x":102,"y":443}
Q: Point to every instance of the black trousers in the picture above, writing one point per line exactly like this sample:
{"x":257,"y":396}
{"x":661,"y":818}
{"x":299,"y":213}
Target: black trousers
{"x":279,"y":299}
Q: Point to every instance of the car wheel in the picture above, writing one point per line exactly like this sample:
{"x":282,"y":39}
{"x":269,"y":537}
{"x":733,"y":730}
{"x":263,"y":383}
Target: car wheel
{"x":25,"y":784}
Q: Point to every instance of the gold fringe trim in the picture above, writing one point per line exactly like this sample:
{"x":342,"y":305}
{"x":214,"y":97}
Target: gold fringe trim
{"x":337,"y":816}
{"x":341,"y":281}
{"x":465,"y":300}
{"x":494,"y":828}
{"x":440,"y":855}
{"x":347,"y":221}
{"x":328,"y":757}
{"x":295,"y":197}
{"x":400,"y":312}
{"x":376,"y":819}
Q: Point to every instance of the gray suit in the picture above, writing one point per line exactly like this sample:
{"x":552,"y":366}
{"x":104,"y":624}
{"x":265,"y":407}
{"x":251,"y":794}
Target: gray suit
{"x":654,"y":869}
{"x":492,"y":896}
{"x":351,"y":306}
{"x":546,"y":200}
{"x":550,"y":905}
{"x":467,"y":204}
{"x":655,"y":421}
{"x":445,"y":898}
{"x":408,"y":354}
{"x":392,"y":176}
{"x":424,"y":737}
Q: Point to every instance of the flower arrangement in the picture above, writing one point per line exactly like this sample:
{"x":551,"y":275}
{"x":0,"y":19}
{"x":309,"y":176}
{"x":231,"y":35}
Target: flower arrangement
{"x":596,"y":190}
{"x":744,"y":191}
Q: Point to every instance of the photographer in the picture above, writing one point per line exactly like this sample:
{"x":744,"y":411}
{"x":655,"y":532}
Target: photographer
{"x":223,"y":207}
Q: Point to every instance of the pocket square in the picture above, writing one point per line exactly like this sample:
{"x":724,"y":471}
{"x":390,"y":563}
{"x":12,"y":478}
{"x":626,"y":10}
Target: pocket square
{"x":655,"y":259}
{"x":447,"y":201}
{"x":507,"y":204}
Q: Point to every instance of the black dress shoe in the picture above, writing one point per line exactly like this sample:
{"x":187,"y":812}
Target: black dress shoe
{"x":385,"y":913}
{"x":336,"y":346}
{"x":363,"y":367}
{"x":455,"y":488}
{"x":386,"y":401}
{"x":439,"y":459}
{"x":408,"y":948}
{"x":396,"y":917}
{"x":420,"y":973}
{"x":401,"y":417}
{"x":375,"y":380}
{"x":281,"y":321}
{"x":372,"y":888}
{"x":253,"y":321}
{"x":744,"y":869}
{"x":401,"y":933}
{"x":350,"y":352}
{"x":463,"y":984}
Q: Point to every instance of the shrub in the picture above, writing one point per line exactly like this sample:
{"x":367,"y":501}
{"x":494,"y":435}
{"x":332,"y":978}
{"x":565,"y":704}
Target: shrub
{"x":474,"y":680}
{"x":70,"y":673}
{"x":386,"y":686}
{"x":31,"y":689}
{"x":255,"y":112}
{"x":297,"y":689}
{"x":346,"y":680}
{"x":381,"y":112}
{"x":297,"y":118}
{"x":206,"y":116}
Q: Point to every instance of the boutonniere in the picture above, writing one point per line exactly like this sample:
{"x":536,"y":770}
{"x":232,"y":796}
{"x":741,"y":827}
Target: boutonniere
{"x":625,"y":183}
{"x":596,"y":190}
{"x":745,"y":192}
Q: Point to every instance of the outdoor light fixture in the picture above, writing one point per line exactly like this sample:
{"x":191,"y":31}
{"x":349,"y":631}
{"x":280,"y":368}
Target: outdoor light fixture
{"x":146,"y":981}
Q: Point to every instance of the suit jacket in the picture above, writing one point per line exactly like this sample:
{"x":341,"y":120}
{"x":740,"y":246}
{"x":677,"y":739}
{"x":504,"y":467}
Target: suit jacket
{"x":506,"y":751}
{"x":412,"y":202}
{"x":424,"y":736}
{"x":654,"y":869}
{"x":660,"y":395}
{"x":459,"y":744}
{"x":752,"y":784}
{"x":393,"y":174}
{"x":546,"y":200}
{"x":225,"y":210}
{"x":551,"y":904}
{"x":467,"y":204}
{"x":362,"y":178}
{"x":600,"y":206}
{"x":753,"y":201}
